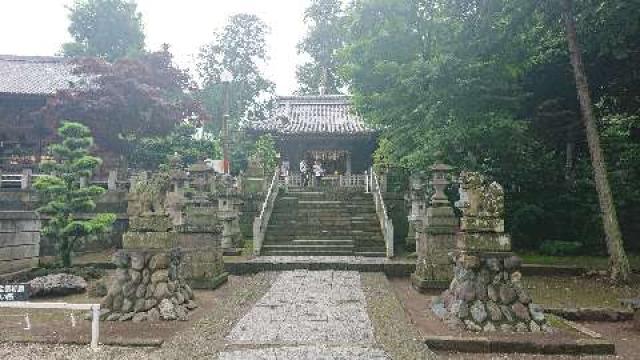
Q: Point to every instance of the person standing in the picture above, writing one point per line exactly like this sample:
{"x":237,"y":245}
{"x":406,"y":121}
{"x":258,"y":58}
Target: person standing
{"x":304,"y":170}
{"x":318,"y":171}
{"x":284,"y":171}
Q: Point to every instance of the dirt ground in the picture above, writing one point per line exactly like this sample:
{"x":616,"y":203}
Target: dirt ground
{"x":416,"y":306}
{"x":55,"y":326}
{"x":580,"y":291}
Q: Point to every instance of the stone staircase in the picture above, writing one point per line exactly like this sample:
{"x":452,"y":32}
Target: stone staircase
{"x":305,"y":223}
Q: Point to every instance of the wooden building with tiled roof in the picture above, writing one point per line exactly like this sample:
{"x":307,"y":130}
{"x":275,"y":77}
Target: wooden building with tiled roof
{"x":26,"y":84}
{"x":324,"y":128}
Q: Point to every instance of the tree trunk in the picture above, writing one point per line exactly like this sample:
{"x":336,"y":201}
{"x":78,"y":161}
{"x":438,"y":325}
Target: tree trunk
{"x":618,"y":260}
{"x":569,"y":156}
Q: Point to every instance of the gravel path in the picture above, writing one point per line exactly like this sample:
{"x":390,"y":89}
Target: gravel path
{"x":392,"y":327}
{"x":203,"y":341}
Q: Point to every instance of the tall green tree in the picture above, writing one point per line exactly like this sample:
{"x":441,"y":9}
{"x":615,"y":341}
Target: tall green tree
{"x":620,"y":269}
{"x":238,"y":51}
{"x":486,"y":85}
{"x":325,"y":37}
{"x":108,"y":29}
{"x":66,"y":200}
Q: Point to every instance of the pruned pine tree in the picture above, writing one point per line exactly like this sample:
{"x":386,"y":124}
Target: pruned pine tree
{"x":66,"y":200}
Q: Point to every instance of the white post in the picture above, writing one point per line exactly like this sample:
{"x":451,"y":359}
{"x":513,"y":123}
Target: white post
{"x":389,"y":238}
{"x":257,"y":236}
{"x":95,"y":326}
{"x":366,"y":182}
{"x":25,"y":183}
{"x":112,"y":180}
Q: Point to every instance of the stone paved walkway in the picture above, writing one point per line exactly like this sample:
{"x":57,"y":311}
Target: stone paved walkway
{"x":307,"y":315}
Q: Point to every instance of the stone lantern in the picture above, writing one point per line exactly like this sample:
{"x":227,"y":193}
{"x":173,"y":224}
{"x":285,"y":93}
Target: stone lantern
{"x":435,"y":236}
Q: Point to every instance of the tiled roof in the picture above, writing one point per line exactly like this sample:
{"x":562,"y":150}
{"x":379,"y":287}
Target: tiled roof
{"x":327,"y":114}
{"x":35,"y":75}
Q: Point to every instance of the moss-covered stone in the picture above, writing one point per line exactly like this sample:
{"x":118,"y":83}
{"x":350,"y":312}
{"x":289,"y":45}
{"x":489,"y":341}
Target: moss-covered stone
{"x":151,"y":222}
{"x":484,"y":241}
{"x":149,"y":240}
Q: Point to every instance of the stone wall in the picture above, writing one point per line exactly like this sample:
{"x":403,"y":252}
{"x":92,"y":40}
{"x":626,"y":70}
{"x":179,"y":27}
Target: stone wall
{"x":15,"y":200}
{"x":19,"y":241}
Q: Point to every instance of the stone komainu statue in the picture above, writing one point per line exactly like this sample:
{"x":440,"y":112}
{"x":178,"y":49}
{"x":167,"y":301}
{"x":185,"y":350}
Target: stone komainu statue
{"x":481,"y":202}
{"x":148,"y":195}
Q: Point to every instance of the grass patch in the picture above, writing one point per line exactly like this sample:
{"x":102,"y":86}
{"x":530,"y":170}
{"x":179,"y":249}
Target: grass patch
{"x":588,"y":262}
{"x":580,"y":292}
{"x":559,"y":323}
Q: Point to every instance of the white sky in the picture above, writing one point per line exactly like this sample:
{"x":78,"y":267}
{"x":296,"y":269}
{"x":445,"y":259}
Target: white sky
{"x":39,"y":27}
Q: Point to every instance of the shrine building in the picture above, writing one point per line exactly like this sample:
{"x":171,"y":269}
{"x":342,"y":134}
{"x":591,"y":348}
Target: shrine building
{"x":324,"y":128}
{"x":26,"y":84}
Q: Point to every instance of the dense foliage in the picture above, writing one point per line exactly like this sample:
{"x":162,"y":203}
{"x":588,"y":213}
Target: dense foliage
{"x":109,"y":29}
{"x":191,"y":143}
{"x":132,"y":98}
{"x":264,"y":150}
{"x":487,"y":85}
{"x":237,"y":52}
{"x":65,"y":200}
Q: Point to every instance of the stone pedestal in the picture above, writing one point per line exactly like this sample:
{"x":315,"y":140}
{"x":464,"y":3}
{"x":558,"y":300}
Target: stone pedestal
{"x":486,"y":293}
{"x":254,"y":180}
{"x":148,"y":284}
{"x":200,"y":240}
{"x":436,"y":238}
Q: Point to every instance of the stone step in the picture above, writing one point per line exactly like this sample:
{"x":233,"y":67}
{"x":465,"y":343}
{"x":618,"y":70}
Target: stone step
{"x":307,"y":253}
{"x":278,"y":247}
{"x":371,"y":253}
{"x":334,"y":230}
{"x":329,"y":242}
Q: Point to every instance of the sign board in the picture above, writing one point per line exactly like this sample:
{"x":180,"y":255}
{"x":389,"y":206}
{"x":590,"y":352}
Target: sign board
{"x":14,"y":292}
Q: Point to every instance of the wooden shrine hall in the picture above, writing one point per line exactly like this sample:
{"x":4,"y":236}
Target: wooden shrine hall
{"x":324,"y":128}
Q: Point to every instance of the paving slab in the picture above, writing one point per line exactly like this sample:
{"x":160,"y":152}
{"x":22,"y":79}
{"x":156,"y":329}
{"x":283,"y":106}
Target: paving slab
{"x":307,"y":315}
{"x":307,"y":353}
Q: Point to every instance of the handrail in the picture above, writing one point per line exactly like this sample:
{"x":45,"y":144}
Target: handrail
{"x":383,"y":216}
{"x":261,"y":221}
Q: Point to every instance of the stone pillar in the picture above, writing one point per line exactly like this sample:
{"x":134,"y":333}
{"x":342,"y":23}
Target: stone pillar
{"x":83,"y":181}
{"x":348,"y":170}
{"x":435,"y":237}
{"x":25,"y":183}
{"x":486,"y":293}
{"x":417,"y":204}
{"x":229,"y":204}
{"x":112,"y":180}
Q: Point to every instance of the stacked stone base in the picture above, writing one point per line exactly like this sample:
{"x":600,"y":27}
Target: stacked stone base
{"x":487,"y":295}
{"x":148,"y":287}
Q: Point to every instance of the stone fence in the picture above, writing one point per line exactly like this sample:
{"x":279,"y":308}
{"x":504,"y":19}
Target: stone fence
{"x":24,"y":181}
{"x":19,"y":241}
